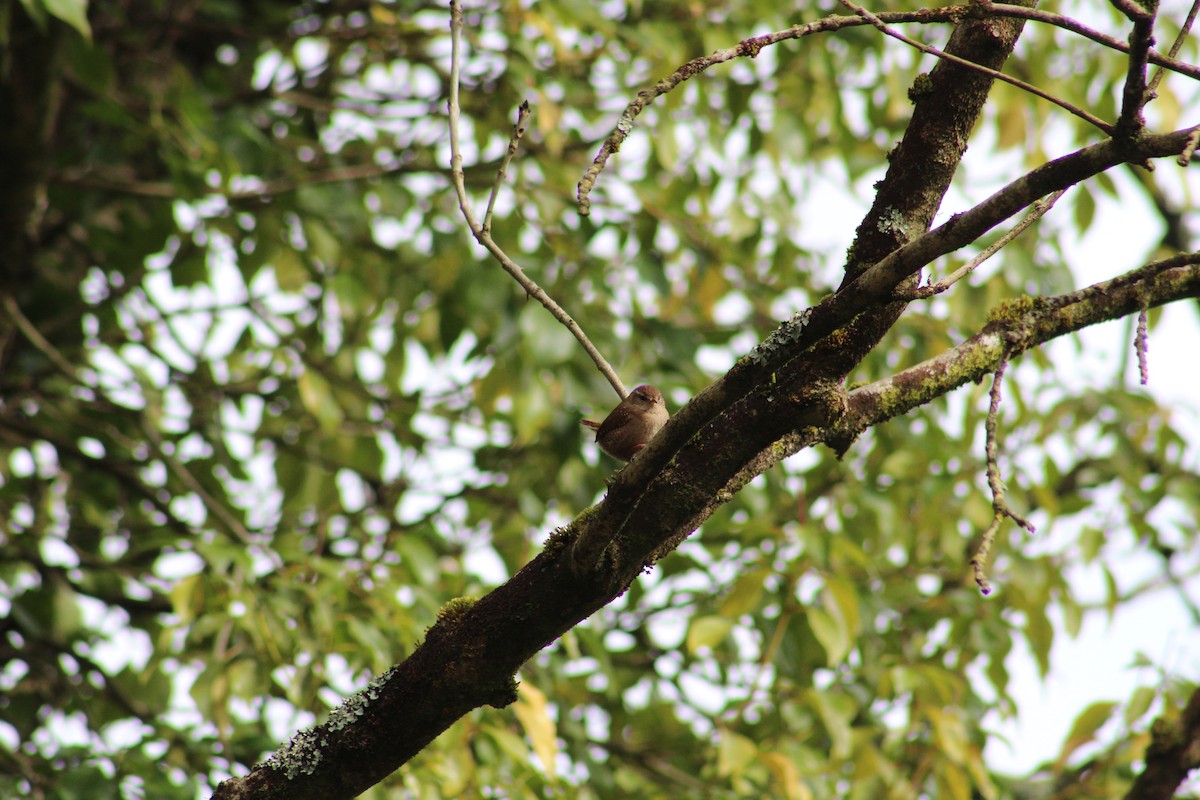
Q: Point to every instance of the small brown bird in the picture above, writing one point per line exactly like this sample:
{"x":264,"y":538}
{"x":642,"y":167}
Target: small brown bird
{"x":632,"y":424}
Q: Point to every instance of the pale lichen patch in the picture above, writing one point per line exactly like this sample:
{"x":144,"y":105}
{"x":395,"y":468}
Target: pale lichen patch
{"x":303,"y":754}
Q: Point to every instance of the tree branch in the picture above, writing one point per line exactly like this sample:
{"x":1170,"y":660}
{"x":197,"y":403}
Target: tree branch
{"x":749,"y":48}
{"x":1036,"y":212}
{"x":482,"y":232}
{"x":470,"y":655}
{"x":1176,"y":46}
{"x":774,"y":401}
{"x":1133,"y":95}
{"x":865,"y":293}
{"x":1000,"y":509}
{"x":1000,"y":76}
{"x":1174,"y":751}
{"x":1164,"y":281}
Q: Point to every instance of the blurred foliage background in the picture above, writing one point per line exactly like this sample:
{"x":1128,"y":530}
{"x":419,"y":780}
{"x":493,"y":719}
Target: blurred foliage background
{"x":264,"y":407}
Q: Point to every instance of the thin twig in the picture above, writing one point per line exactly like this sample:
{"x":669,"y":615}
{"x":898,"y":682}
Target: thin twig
{"x":750,"y":48}
{"x":997,"y":75}
{"x":1140,"y":346}
{"x":41,"y":342}
{"x":1176,"y":46}
{"x":482,"y":235}
{"x":226,"y":517}
{"x":1189,"y":149}
{"x":1036,"y":212}
{"x":513,"y":142}
{"x":1000,"y":508}
{"x":765,"y":660}
{"x":1074,"y":26}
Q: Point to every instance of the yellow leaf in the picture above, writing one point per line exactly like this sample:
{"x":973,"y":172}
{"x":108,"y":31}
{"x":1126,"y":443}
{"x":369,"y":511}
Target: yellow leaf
{"x":187,"y":598}
{"x":318,"y":399}
{"x":734,"y":753}
{"x":955,"y":783}
{"x":949,"y":733}
{"x":979,"y":775}
{"x":534,"y":715}
{"x":787,"y":776}
{"x":383,"y":16}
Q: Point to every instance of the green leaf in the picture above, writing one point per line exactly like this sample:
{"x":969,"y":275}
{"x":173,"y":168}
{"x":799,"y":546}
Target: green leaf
{"x":1139,"y":704}
{"x":745,"y":595}
{"x":1085,"y":727}
{"x":835,"y":711}
{"x":317,"y":395}
{"x":1040,"y":635}
{"x":72,"y":12}
{"x":707,"y":632}
{"x":836,"y":624}
{"x":187,"y":597}
{"x":1085,"y":208}
{"x":549,"y":342}
{"x":734,"y":753}
{"x":50,"y":612}
{"x":832,"y":635}
{"x":290,"y":271}
{"x":841,"y":597}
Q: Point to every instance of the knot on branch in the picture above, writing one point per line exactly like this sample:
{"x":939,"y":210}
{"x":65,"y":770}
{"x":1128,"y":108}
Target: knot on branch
{"x":750,"y":47}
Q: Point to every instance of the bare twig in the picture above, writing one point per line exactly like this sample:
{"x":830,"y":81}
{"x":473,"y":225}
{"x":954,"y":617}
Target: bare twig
{"x":1176,"y":46}
{"x":513,"y":142}
{"x":1140,"y":345}
{"x":1074,"y":26}
{"x":1000,"y":508}
{"x":750,"y":48}
{"x":1000,"y":76}
{"x":765,"y":660}
{"x":1036,"y":212}
{"x":232,"y":523}
{"x":1151,"y":285}
{"x":483,"y":234}
{"x":1130,"y":278}
{"x":1132,"y":10}
{"x":35,"y":337}
{"x":1189,"y":150}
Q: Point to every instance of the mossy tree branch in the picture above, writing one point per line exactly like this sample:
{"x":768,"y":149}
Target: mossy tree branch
{"x":783,"y":396}
{"x":470,"y":656}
